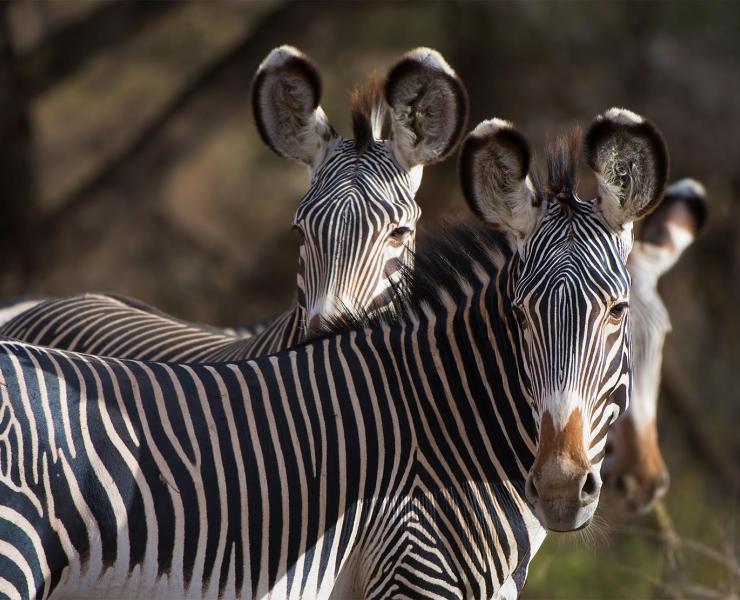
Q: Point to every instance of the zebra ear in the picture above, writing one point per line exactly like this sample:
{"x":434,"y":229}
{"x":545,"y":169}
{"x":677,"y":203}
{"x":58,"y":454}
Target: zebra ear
{"x":429,"y":108}
{"x":630,"y":160}
{"x":674,"y":225}
{"x":285,"y":99}
{"x":494,"y":174}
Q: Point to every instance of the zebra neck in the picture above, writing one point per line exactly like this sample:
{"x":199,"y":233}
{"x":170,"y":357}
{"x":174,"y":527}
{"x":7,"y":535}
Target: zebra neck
{"x":282,"y":332}
{"x":473,"y":427}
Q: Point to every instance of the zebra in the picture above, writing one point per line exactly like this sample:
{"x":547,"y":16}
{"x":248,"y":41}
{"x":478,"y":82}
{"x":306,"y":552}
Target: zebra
{"x":16,"y":305}
{"x":634,"y":471}
{"x":424,"y":453}
{"x":357,"y":222}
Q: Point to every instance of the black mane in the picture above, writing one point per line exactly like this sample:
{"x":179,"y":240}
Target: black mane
{"x":369,"y":112}
{"x":443,"y":260}
{"x":563,"y":156}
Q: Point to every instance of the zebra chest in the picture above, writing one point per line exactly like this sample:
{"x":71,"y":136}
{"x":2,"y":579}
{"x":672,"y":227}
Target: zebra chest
{"x":429,"y":546}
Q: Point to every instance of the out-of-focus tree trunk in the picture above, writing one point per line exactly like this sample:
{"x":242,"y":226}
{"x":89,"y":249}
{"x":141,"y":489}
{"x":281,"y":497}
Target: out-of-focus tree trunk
{"x":17,"y":180}
{"x":61,"y":52}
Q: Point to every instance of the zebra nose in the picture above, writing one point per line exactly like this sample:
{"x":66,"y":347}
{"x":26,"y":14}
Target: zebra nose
{"x":590,"y":488}
{"x":641,"y":496}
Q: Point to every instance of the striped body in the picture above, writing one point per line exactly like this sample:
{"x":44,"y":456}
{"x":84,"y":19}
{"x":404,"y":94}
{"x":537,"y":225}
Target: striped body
{"x":421,"y":456}
{"x":382,"y":462}
{"x":111,"y":325}
{"x":346,"y":462}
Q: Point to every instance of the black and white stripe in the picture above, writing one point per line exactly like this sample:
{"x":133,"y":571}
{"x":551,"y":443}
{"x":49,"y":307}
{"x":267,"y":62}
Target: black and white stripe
{"x":386,"y":461}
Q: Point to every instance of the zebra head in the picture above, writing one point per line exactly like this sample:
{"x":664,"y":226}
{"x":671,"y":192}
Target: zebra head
{"x":569,"y":289}
{"x":357,"y":221}
{"x":634,"y":471}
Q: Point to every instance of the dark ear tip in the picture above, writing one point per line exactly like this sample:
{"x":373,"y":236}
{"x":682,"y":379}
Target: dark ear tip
{"x":693,"y":195}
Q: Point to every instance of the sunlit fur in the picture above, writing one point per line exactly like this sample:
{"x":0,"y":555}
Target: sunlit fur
{"x":385,"y":461}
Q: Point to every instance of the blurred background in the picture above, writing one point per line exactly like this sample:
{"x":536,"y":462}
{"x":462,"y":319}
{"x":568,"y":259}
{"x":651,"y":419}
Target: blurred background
{"x":129,"y":162}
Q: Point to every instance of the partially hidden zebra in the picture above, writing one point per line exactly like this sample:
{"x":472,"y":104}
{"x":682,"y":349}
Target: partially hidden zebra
{"x":357,"y":221}
{"x":423,"y":455}
{"x":634,"y":470}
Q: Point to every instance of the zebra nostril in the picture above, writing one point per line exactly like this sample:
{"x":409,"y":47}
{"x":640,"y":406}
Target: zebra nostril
{"x":530,"y":489}
{"x":590,"y":488}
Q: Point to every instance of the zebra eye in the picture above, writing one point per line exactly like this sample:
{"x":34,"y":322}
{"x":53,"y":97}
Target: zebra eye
{"x":399,"y":234}
{"x":618,"y":311}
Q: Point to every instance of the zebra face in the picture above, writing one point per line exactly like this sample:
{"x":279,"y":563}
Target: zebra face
{"x":634,"y":471}
{"x":571,"y":303}
{"x":357,"y":226}
{"x":569,"y":289}
{"x":357,"y":221}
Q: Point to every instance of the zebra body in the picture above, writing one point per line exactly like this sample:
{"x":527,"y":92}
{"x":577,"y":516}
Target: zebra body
{"x":404,"y":459}
{"x":341,"y":466}
{"x":12,"y":307}
{"x":112,"y":325}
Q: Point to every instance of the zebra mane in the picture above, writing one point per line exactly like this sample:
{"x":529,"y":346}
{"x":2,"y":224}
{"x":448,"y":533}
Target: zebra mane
{"x":446,"y":264}
{"x":562,"y":167}
{"x":369,"y":112}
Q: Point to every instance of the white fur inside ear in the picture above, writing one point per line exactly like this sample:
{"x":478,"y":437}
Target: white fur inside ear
{"x":610,"y":195}
{"x":524,"y":213}
{"x":623,"y":116}
{"x":315,"y":138}
{"x":625,"y":165}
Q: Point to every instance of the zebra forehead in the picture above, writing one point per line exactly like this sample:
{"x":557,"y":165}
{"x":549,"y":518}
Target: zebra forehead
{"x":574,"y":245}
{"x":372,"y":180}
{"x":567,"y":272}
{"x":347,"y":164}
